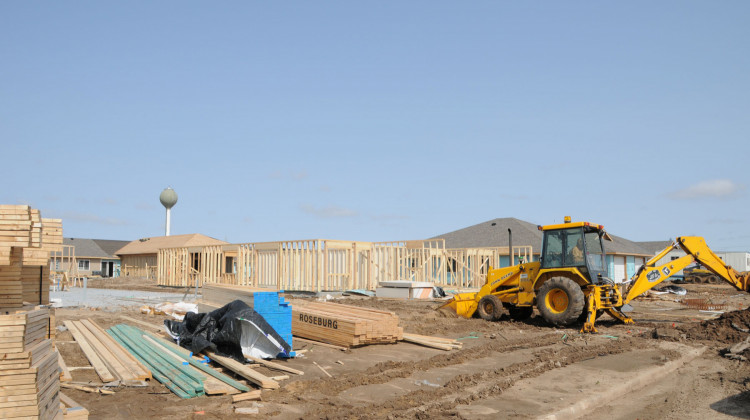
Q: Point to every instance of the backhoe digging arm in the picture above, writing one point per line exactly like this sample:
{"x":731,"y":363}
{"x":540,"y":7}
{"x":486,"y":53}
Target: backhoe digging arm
{"x":650,"y":275}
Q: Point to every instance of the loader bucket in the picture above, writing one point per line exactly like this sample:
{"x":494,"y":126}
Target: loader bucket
{"x":463,"y":304}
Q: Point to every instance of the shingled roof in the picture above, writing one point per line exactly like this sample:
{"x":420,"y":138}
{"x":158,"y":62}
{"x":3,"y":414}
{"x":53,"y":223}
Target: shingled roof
{"x":494,"y":233}
{"x":154,"y":244}
{"x":95,"y":248}
{"x":654,"y":246}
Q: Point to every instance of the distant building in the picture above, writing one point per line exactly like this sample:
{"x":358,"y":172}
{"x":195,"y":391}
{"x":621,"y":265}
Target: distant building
{"x":623,"y":256}
{"x":139,"y":257}
{"x":93,"y":257}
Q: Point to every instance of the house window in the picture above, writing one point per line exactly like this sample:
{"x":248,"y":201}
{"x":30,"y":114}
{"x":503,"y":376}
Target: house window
{"x":83,"y":265}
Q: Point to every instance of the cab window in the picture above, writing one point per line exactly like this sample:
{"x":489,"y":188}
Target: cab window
{"x":574,"y":250}
{"x":553,"y":249}
{"x":594,"y":251}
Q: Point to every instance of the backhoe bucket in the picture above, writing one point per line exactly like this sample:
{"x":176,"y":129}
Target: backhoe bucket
{"x":463,"y":304}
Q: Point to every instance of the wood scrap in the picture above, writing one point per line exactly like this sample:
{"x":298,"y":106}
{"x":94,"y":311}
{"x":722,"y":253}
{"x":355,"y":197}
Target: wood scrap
{"x":65,"y":375}
{"x":247,"y":396}
{"x":89,"y":389}
{"x":321,"y":368}
{"x":242,"y":370}
{"x":273,"y":365}
{"x":440,"y":343}
{"x":72,"y":410}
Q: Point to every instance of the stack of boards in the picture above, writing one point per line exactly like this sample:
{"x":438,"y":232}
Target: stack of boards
{"x":110,"y":360}
{"x":29,"y":372}
{"x":218,"y":295}
{"x":344,"y":325}
{"x":26,"y":240}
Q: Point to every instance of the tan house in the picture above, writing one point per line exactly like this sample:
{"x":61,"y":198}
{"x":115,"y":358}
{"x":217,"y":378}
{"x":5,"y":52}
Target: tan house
{"x":93,"y":257}
{"x":139,"y":257}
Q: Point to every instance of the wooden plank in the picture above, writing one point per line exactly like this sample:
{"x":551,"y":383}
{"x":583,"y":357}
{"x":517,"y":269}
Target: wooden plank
{"x":143,"y":323}
{"x":88,"y":350}
{"x":273,"y":365}
{"x":65,"y":375}
{"x":247,"y":396}
{"x":321,"y":368}
{"x":242,"y":370}
{"x":136,"y":368}
{"x":427,"y":343}
{"x":114,"y":365}
{"x":89,"y":389}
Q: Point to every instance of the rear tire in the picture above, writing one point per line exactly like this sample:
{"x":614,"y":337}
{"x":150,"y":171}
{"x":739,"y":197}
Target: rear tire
{"x":520,"y":313}
{"x":490,"y":308}
{"x":561,"y":301}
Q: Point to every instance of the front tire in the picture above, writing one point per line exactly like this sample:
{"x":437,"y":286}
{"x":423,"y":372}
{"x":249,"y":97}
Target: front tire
{"x":490,"y":308}
{"x":561,"y":301}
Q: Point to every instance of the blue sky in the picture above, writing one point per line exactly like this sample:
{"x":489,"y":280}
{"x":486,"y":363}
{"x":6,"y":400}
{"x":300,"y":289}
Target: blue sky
{"x":378,"y":121}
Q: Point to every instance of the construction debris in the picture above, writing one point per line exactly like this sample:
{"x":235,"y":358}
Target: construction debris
{"x":236,"y":331}
{"x":704,"y":305}
{"x":72,"y":410}
{"x":434,"y":342}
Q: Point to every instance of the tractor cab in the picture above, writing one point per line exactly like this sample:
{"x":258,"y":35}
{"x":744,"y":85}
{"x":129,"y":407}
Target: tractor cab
{"x":575,"y":245}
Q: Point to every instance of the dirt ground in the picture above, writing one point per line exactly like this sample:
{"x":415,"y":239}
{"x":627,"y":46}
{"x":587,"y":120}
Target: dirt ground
{"x":505,"y":369}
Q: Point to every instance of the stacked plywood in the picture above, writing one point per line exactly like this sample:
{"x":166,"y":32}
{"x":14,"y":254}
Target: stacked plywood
{"x":344,"y":325}
{"x":26,"y":239}
{"x":29,"y":373}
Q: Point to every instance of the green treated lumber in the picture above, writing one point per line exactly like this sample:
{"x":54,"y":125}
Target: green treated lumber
{"x":173,"y":381}
{"x":137,"y":334}
{"x":155,"y":373}
{"x":172,"y":366}
{"x":175,"y":373}
{"x":185,"y":354}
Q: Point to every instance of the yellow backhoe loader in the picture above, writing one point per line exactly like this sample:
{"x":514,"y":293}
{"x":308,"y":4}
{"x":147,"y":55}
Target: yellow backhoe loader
{"x":569,"y":284}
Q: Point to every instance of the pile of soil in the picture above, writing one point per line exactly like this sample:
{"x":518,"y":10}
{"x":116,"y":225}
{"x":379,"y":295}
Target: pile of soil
{"x":727,"y":329}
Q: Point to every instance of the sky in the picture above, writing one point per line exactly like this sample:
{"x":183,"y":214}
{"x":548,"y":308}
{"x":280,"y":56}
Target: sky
{"x":378,"y":121}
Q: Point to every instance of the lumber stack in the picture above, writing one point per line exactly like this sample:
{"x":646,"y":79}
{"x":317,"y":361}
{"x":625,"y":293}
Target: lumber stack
{"x":110,"y":360}
{"x":29,"y":373}
{"x":344,"y":325}
{"x":221,"y":294}
{"x":11,"y":287}
{"x":26,"y":239}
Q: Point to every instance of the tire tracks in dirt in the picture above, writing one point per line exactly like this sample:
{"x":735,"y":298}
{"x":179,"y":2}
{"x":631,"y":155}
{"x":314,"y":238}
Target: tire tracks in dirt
{"x":549,"y":352}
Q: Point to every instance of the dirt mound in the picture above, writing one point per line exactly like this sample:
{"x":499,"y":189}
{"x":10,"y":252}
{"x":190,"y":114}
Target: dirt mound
{"x":729,"y":328}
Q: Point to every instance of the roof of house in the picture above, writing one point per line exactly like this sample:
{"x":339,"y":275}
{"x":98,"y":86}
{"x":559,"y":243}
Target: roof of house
{"x":494,"y":233}
{"x":154,"y":244}
{"x":654,"y":246}
{"x":95,"y":248}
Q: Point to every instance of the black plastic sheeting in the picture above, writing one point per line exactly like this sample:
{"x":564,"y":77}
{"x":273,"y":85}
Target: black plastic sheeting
{"x":220,"y":330}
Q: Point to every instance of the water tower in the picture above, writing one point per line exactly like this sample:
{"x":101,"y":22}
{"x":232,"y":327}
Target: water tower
{"x":168,"y":199}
